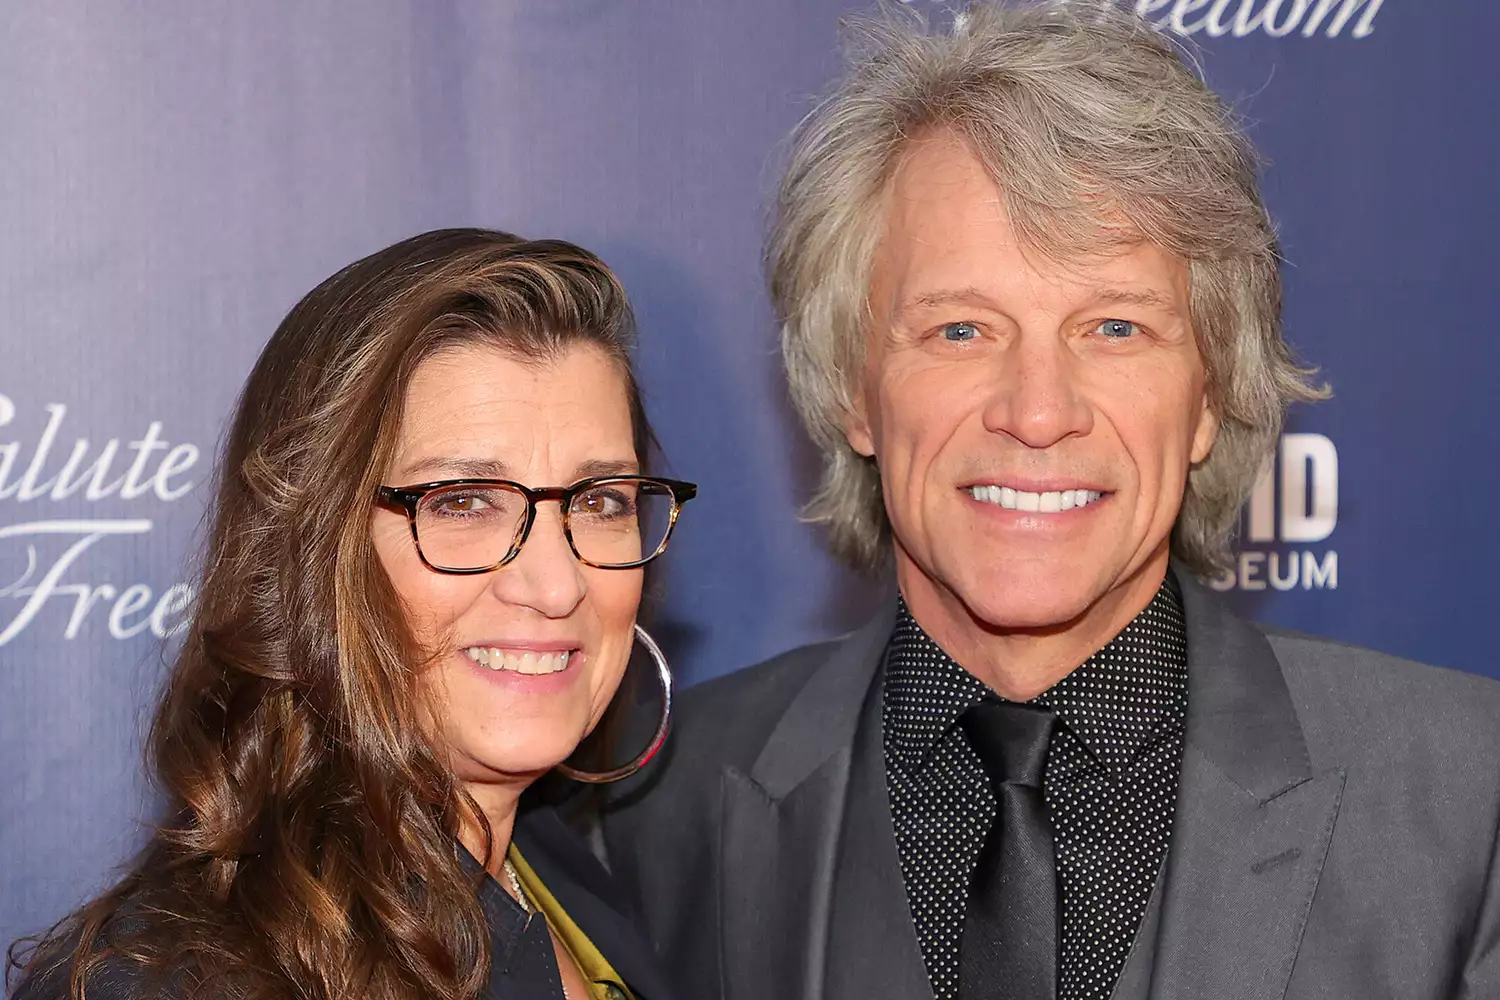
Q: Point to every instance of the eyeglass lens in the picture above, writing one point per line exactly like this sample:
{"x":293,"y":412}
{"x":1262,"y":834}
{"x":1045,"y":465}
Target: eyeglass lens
{"x":612,"y":523}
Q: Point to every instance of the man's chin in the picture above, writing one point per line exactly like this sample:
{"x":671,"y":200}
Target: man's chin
{"x":1002,"y":617}
{"x":1030,"y":601}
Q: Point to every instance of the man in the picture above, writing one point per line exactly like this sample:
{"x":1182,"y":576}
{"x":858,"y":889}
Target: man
{"x":1031,"y":313}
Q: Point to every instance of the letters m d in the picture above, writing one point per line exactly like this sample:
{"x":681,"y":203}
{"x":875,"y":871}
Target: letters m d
{"x":1309,"y":493}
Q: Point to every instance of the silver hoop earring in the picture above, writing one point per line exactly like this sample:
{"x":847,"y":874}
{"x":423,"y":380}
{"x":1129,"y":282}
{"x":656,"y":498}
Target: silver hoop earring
{"x":664,"y":676}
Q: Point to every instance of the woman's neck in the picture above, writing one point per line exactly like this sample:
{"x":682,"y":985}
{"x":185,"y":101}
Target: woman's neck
{"x":498,"y":805}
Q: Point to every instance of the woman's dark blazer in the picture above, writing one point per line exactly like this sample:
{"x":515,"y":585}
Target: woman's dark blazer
{"x":559,"y":856}
{"x":595,"y":901}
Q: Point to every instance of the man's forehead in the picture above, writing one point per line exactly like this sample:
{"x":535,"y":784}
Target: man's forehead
{"x":912,"y":274}
{"x":935,"y":170}
{"x":946,"y":214}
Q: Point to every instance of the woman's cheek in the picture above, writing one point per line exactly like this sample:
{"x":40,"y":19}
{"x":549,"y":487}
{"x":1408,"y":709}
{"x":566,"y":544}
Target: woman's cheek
{"x":617,"y":599}
{"x":608,"y":683}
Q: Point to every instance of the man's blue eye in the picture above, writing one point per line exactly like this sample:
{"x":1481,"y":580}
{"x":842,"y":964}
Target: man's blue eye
{"x":1117,"y":329}
{"x":960,"y":332}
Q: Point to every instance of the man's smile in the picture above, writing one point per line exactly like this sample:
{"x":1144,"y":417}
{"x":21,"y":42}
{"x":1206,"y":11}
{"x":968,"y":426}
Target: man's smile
{"x":1048,"y":502}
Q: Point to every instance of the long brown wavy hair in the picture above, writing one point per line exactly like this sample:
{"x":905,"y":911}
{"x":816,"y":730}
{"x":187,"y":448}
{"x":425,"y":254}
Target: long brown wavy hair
{"x":309,"y":846}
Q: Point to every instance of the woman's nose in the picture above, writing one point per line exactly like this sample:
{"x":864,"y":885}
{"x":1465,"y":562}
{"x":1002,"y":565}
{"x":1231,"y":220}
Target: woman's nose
{"x":545,"y":575}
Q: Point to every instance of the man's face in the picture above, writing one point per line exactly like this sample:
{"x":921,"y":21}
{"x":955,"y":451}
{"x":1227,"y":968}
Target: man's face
{"x":1034,"y":420}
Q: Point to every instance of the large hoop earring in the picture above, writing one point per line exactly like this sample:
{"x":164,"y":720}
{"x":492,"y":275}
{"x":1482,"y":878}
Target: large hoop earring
{"x":664,"y":676}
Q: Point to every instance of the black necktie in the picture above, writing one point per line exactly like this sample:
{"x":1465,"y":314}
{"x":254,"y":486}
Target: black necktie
{"x":1010,"y":935}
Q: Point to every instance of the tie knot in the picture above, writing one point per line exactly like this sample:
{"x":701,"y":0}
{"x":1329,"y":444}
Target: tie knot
{"x":1011,"y":740}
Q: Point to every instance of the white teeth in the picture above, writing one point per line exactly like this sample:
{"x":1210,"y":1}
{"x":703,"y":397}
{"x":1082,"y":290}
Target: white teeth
{"x":519,"y":661}
{"x":1051,"y":502}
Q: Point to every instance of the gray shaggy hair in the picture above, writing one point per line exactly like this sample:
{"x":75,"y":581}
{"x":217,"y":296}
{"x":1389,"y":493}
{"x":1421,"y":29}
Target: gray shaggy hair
{"x":1085,"y":116}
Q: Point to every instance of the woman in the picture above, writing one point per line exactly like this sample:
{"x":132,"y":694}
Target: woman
{"x":420,"y":597}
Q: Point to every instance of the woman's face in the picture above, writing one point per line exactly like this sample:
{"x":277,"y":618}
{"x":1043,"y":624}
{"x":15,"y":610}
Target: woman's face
{"x":476,"y":412}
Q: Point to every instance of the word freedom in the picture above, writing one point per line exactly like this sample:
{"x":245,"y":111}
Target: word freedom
{"x":1276,"y":18}
{"x":1241,"y":18}
{"x":41,"y":558}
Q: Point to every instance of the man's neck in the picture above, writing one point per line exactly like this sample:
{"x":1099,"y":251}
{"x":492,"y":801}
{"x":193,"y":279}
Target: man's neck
{"x":1019,"y":664}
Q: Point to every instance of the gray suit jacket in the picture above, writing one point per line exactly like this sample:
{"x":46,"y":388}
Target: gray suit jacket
{"x":1335,"y":832}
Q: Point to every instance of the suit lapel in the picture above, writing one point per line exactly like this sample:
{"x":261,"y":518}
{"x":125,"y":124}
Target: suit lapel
{"x":777,"y":875}
{"x":790,"y":856}
{"x":1253,"y":821}
{"x":873,"y":948}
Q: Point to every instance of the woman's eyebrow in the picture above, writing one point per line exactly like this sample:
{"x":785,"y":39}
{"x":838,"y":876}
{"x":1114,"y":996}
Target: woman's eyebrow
{"x":607,"y":467}
{"x":452,"y":467}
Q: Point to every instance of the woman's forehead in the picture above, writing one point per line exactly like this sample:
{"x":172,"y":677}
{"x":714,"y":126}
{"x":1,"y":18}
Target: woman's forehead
{"x":479,"y":407}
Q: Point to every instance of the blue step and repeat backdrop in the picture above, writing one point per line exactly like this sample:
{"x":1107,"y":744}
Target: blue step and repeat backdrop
{"x":172,"y":181}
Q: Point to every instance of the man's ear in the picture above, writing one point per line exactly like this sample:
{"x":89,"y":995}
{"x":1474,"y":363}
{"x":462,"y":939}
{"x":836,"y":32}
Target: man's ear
{"x":857,"y":427}
{"x":1206,"y":433}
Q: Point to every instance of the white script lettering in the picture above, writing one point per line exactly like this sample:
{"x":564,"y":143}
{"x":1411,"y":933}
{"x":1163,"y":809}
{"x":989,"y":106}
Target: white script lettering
{"x":51,"y":468}
{"x":92,"y":477}
{"x":1276,"y":18}
{"x":133,"y":600}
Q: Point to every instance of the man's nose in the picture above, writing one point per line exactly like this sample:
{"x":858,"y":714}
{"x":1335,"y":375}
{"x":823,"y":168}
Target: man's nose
{"x":1037,"y":397}
{"x":545,"y":575}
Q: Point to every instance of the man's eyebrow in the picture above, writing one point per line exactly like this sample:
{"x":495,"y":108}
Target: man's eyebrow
{"x":969,"y":296}
{"x":1133,"y":297}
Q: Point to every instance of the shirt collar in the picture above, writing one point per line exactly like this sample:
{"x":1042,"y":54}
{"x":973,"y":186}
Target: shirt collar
{"x":1117,"y":704}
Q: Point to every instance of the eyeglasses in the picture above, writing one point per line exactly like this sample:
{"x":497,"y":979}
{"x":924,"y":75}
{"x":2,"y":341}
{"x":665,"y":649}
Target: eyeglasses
{"x":477,"y":525}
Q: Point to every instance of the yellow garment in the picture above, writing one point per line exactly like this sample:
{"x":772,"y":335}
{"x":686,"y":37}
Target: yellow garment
{"x":604,"y":982}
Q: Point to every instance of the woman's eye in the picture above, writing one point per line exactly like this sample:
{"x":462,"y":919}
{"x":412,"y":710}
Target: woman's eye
{"x":464,"y":503}
{"x":1117,"y":329}
{"x":602,"y":503}
{"x":470,"y":504}
{"x":960,"y":332}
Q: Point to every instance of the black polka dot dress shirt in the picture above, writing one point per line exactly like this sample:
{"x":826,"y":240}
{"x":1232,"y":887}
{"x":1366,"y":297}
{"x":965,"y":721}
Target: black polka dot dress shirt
{"x":1110,"y":787}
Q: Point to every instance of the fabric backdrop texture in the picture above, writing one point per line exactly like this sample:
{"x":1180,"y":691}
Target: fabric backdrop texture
{"x":172,"y":181}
